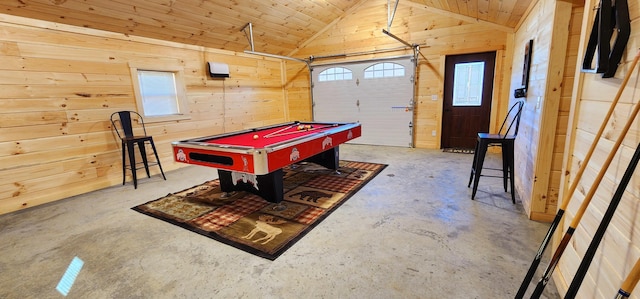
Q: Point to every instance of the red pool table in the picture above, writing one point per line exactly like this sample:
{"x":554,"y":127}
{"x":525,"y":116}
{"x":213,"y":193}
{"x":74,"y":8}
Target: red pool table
{"x":252,"y":160}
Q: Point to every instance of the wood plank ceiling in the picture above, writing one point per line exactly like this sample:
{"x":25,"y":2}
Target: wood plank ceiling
{"x":279,"y":26}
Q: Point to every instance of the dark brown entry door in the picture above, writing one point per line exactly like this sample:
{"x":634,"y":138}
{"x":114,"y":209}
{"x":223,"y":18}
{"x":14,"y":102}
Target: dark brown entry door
{"x":468,"y":87}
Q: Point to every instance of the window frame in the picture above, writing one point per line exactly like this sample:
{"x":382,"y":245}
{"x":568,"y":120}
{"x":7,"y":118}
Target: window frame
{"x":181,"y":95}
{"x":334,"y":80}
{"x":472,"y":71}
{"x":373,"y":71}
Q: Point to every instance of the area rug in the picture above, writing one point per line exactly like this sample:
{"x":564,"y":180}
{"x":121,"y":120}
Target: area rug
{"x":248,"y":222}
{"x":458,"y":150}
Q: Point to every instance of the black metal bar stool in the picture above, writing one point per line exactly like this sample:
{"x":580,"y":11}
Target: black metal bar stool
{"x":504,"y":140}
{"x":129,"y":141}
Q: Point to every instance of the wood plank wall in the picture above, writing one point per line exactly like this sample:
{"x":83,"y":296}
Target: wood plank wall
{"x":297,"y":91}
{"x":86,"y":72}
{"x":592,"y":98}
{"x":540,"y":143}
{"x":438,"y":34}
{"x":573,"y":43}
{"x":539,"y":176}
{"x":60,"y":84}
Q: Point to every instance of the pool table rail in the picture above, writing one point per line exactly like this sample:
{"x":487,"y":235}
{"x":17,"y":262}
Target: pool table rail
{"x":262,"y":160}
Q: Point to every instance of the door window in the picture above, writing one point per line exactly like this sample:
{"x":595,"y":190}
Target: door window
{"x":467,"y":84}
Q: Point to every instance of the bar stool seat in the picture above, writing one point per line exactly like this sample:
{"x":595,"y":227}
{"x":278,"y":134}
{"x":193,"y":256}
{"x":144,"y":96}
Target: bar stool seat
{"x":123,"y":126}
{"x":507,"y":142}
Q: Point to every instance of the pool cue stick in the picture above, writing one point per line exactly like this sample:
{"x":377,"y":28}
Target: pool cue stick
{"x":572,"y":188}
{"x":630,"y":282}
{"x":295,"y":132}
{"x":291,"y":133}
{"x":583,"y":207}
{"x":278,"y":131}
{"x":602,"y":228}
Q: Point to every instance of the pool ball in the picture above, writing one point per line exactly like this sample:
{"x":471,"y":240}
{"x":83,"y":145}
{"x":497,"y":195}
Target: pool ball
{"x":256,"y":136}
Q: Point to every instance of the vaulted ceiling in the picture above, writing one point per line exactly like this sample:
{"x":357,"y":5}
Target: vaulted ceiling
{"x":278,"y":26}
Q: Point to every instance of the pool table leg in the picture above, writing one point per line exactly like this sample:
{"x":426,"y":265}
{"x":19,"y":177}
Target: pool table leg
{"x":269,"y":186}
{"x":329,"y":159}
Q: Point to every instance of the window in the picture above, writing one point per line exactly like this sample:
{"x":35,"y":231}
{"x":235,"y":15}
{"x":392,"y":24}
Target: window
{"x":335,"y":74}
{"x":467,"y":84}
{"x":384,"y":70}
{"x":160,"y":94}
{"x":158,"y":90}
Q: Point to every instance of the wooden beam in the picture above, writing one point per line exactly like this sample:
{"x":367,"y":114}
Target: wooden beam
{"x":574,"y":2}
{"x":460,"y":17}
{"x":329,"y":26}
{"x":526,"y":14}
{"x":550,"y":107}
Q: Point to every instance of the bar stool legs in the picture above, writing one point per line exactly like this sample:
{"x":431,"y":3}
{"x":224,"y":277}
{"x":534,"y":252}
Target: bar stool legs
{"x":132,"y":163}
{"x":153,"y":146}
{"x":508,"y":155}
{"x":130,"y":148}
{"x":507,"y":165}
{"x":124,"y":165}
{"x":476,"y":168}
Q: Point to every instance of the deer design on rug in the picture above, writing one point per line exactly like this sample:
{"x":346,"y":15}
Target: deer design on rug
{"x":311,"y":195}
{"x":265,"y":224}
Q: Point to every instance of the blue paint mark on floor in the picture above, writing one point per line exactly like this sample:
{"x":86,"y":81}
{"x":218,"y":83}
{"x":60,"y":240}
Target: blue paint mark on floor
{"x":70,"y":276}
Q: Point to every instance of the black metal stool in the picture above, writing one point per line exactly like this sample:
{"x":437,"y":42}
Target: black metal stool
{"x":504,"y":140}
{"x":129,"y":141}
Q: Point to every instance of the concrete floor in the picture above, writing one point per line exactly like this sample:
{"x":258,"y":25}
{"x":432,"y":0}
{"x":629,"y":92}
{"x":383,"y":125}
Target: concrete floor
{"x":412,"y":232}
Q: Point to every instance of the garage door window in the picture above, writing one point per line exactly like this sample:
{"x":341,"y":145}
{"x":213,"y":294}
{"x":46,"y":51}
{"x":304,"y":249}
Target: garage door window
{"x":335,"y":74}
{"x":384,"y":70}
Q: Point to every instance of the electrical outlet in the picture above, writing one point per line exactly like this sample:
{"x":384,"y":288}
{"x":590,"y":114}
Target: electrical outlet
{"x":433,"y":133}
{"x":538,"y":103}
{"x":434,"y":97}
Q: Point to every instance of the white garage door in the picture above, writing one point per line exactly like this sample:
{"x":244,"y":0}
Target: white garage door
{"x":378,"y":94}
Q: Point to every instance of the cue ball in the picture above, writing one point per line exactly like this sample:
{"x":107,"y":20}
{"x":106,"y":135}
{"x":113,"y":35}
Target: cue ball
{"x":255,"y":136}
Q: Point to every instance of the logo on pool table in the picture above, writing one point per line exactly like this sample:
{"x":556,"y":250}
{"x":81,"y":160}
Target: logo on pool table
{"x":295,"y":154}
{"x":245,"y":164}
{"x":180,"y":156}
{"x":327,"y":142}
{"x":247,"y":178}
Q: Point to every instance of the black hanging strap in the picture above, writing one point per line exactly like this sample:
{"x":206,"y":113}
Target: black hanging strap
{"x":610,"y":17}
